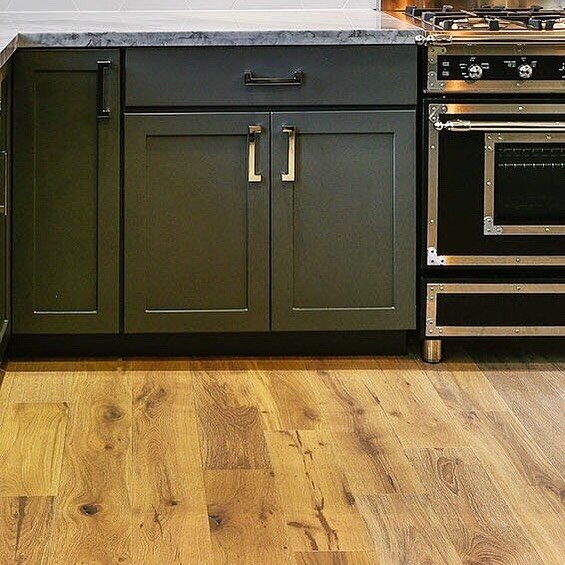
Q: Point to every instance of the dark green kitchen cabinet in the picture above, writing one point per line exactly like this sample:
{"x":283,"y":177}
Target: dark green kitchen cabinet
{"x":196,"y":222}
{"x":5,"y":181}
{"x":337,"y":254}
{"x":66,"y":202}
{"x":343,"y":220}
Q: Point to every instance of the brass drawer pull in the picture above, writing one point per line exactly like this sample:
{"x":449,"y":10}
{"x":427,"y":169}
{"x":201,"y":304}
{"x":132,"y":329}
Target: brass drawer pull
{"x":295,"y":80}
{"x":254,"y":131}
{"x":290,"y":176}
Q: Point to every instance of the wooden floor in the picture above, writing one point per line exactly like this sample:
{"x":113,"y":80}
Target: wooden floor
{"x":296,"y":461}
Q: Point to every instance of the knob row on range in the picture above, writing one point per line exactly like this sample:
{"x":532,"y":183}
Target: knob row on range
{"x":475,"y":72}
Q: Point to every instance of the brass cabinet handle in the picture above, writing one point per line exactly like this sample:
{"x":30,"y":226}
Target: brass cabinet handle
{"x":252,"y":162}
{"x":291,"y":175}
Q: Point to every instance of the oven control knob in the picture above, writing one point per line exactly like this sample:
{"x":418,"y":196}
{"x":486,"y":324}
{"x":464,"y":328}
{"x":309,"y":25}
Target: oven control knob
{"x":475,"y":72}
{"x":525,"y":71}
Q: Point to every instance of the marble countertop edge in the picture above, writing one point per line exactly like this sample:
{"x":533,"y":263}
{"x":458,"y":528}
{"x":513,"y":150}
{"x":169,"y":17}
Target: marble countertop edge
{"x":203,"y":28}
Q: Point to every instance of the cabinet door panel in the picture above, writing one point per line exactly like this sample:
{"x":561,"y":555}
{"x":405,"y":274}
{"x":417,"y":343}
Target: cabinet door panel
{"x":343,"y":249}
{"x":196,"y":229}
{"x":66,"y":196}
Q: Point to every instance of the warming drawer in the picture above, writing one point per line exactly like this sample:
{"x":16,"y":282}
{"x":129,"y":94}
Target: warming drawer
{"x":457,"y":309}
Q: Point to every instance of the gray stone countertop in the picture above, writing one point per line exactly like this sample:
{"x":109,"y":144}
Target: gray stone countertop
{"x":200,"y":27}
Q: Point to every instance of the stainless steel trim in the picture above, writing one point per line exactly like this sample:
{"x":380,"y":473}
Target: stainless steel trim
{"x":544,"y":43}
{"x":468,"y":125}
{"x":290,"y":176}
{"x":490,"y":228}
{"x":438,"y":332}
{"x":435,"y":257}
{"x":253,"y":176}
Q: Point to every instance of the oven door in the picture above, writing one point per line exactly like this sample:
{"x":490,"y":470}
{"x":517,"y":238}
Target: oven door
{"x":496,"y":184}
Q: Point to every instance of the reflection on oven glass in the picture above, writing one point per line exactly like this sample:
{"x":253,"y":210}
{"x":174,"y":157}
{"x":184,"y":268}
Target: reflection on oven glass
{"x":530,"y":184}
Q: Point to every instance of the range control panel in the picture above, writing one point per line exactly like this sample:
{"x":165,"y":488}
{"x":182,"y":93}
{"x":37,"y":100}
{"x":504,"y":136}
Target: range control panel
{"x":500,"y":67}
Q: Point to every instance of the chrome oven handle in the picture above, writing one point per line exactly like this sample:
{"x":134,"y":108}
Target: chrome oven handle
{"x":468,"y":125}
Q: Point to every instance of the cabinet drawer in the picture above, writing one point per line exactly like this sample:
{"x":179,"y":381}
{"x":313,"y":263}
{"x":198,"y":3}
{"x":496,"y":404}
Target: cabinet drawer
{"x":495,"y":309}
{"x":285,"y":76}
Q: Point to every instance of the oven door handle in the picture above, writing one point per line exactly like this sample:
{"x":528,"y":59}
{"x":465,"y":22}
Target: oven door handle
{"x":467,"y":125}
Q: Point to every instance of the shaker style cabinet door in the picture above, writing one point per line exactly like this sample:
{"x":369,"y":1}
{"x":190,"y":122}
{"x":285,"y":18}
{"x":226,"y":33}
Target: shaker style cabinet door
{"x":5,"y":100}
{"x":196,"y":222}
{"x":66,"y":192}
{"x":343,"y":221}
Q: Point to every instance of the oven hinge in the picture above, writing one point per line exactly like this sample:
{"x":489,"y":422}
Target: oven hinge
{"x":434,"y":259}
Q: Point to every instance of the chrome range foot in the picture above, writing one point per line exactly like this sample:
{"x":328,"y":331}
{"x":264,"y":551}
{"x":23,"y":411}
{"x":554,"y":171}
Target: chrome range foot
{"x":431,"y":350}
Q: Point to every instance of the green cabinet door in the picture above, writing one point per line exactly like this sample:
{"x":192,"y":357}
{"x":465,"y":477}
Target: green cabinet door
{"x":196,"y":222}
{"x":343,"y":231}
{"x":5,"y":122}
{"x":66,"y":192}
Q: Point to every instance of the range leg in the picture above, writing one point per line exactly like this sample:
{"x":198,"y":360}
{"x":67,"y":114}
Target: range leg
{"x":431,"y":350}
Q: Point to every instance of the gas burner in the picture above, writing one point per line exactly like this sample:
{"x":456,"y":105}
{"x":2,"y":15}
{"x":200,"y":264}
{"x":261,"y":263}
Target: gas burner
{"x":490,"y":18}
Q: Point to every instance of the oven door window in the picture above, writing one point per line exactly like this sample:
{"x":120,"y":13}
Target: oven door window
{"x":524,"y":185}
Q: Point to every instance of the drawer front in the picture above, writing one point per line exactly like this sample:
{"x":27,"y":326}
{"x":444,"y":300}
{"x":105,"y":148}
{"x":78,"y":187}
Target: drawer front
{"x":285,"y":76}
{"x":495,"y":309}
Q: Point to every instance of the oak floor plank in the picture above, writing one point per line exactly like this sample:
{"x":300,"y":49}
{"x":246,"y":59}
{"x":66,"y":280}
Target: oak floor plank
{"x":526,"y":479}
{"x":320,"y":510}
{"x":529,"y":391}
{"x":373,"y":458}
{"x":337,"y":558}
{"x":461,"y":384}
{"x":245,"y":517}
{"x":508,"y":450}
{"x":32,"y":438}
{"x":36,"y":381}
{"x":170,"y":520}
{"x":286,"y":400}
{"x":405,"y":529}
{"x":231,"y":432}
{"x":92,"y":521}
{"x":25,"y":529}
{"x":6,"y":383}
{"x":418,"y":415}
{"x":479,"y":523}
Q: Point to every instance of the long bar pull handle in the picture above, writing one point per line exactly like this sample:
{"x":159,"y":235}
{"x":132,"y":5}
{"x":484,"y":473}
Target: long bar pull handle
{"x":290,"y":176}
{"x":251,"y":80}
{"x":468,"y":125}
{"x":254,"y":131}
{"x":102,"y":111}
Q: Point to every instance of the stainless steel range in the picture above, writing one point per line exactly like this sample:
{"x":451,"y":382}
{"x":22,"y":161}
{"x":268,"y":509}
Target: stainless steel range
{"x":493,"y":262}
